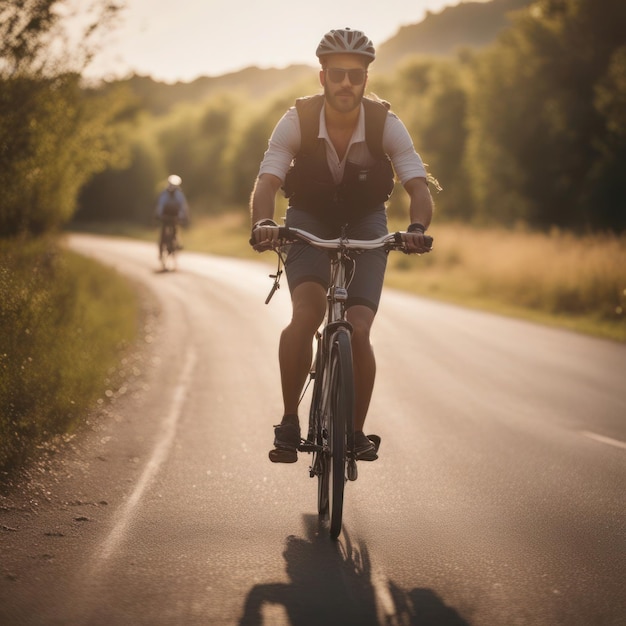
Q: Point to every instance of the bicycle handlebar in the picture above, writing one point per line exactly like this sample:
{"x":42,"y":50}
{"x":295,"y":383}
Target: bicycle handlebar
{"x":391,"y":241}
{"x":287,"y":235}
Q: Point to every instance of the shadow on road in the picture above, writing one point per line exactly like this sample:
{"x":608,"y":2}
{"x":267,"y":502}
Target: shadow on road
{"x":331,"y":583}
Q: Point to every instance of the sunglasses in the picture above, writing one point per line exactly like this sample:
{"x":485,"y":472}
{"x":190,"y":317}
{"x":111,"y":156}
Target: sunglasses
{"x":356,"y":76}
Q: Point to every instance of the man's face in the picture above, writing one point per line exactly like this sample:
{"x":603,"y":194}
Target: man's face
{"x":344,"y":89}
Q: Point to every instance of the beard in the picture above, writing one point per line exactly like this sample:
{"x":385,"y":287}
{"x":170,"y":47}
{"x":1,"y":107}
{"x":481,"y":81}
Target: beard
{"x":347,"y":104}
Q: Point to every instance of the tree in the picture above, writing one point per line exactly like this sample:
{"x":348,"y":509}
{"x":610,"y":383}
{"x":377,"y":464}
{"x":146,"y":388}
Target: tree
{"x":194,"y":142}
{"x":128,"y":191}
{"x":33,"y":37}
{"x":53,"y":134}
{"x":538,"y":132}
{"x":440,"y":135}
{"x":609,"y":191}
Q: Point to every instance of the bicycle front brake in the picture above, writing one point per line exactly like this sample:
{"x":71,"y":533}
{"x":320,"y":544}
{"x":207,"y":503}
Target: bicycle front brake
{"x":276,"y":277}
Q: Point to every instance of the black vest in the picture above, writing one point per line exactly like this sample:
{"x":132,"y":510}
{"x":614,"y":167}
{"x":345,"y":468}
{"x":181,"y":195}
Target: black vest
{"x":309,"y":184}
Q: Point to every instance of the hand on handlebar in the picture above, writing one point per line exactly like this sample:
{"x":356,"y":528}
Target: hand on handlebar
{"x":264,"y":235}
{"x":416,"y":242}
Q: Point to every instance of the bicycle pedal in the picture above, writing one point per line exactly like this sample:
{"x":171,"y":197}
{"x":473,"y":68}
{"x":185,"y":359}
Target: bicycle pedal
{"x":282,"y":455}
{"x":308,"y":446}
{"x":352,"y":471}
{"x":375,"y":439}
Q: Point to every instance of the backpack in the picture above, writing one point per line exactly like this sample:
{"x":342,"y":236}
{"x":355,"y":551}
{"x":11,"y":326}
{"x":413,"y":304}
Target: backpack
{"x":172,"y":204}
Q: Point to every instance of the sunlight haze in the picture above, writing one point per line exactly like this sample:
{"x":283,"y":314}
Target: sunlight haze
{"x":179,"y":41}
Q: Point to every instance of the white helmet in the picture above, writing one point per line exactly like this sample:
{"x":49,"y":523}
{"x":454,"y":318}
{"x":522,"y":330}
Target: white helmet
{"x":346,"y":41}
{"x":175,"y":181}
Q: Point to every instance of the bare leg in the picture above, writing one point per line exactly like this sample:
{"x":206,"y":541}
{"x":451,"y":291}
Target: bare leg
{"x":296,"y":342}
{"x":364,"y":362}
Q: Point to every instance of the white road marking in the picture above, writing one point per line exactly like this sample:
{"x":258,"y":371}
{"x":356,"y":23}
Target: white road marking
{"x":159,"y":455}
{"x":603,"y":439}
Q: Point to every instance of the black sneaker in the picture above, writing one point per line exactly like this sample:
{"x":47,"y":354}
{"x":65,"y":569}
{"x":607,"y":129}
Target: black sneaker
{"x":365,"y":449}
{"x":286,"y":442}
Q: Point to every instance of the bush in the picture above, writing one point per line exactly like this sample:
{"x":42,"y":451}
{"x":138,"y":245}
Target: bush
{"x":64,"y":320}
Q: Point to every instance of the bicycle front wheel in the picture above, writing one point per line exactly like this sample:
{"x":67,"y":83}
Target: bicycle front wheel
{"x":340,"y":416}
{"x":317,"y":430}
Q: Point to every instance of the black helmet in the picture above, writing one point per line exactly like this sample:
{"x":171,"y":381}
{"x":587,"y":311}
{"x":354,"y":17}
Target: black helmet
{"x":346,"y":41}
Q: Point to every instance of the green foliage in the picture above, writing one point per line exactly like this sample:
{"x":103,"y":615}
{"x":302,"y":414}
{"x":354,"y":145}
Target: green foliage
{"x":215,"y":145}
{"x":431,"y":97}
{"x":541,"y":149}
{"x":33,"y":40}
{"x":24,"y":33}
{"x":54,"y":135}
{"x":194,"y":141}
{"x":251,"y":144}
{"x":125,"y":193}
{"x":610,"y":94}
{"x":64,"y":320}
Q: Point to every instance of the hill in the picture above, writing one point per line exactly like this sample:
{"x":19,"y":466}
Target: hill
{"x":469,"y":25}
{"x":252,"y":82}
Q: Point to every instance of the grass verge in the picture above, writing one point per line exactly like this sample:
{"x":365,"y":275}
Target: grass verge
{"x":65,"y":321}
{"x":573,"y":282}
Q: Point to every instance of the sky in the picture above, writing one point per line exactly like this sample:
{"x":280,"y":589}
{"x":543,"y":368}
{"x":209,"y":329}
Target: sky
{"x":179,"y":40}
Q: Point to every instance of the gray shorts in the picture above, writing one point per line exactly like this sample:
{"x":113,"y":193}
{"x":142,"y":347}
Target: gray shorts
{"x":305,"y":263}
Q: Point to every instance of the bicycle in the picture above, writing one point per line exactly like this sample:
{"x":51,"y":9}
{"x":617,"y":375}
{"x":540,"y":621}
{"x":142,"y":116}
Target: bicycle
{"x":330,"y":437}
{"x":168,"y":243}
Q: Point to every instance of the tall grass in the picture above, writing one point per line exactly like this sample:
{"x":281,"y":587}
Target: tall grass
{"x":573,"y":281}
{"x":64,"y":319}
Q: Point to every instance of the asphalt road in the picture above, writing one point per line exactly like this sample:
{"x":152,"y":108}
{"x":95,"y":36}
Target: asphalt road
{"x":498,"y":498}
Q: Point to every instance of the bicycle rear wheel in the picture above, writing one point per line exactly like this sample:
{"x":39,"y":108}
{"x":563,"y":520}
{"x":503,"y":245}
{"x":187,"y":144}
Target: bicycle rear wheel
{"x":341,"y":407}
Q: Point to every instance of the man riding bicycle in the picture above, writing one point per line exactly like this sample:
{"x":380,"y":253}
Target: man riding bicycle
{"x":171,"y":209}
{"x":333,"y":155}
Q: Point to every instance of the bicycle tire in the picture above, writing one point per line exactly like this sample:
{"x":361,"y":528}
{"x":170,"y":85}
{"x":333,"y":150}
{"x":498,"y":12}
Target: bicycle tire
{"x":341,"y":411}
{"x":168,"y":254}
{"x":319,"y":464}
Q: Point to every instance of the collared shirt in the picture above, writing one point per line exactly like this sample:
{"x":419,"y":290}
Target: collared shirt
{"x":284,"y":144}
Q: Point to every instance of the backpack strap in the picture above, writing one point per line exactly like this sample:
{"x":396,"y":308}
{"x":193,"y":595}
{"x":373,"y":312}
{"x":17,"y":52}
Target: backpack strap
{"x":310,"y":107}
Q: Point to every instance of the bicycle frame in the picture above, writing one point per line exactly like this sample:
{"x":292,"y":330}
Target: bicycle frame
{"x":335,"y":319}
